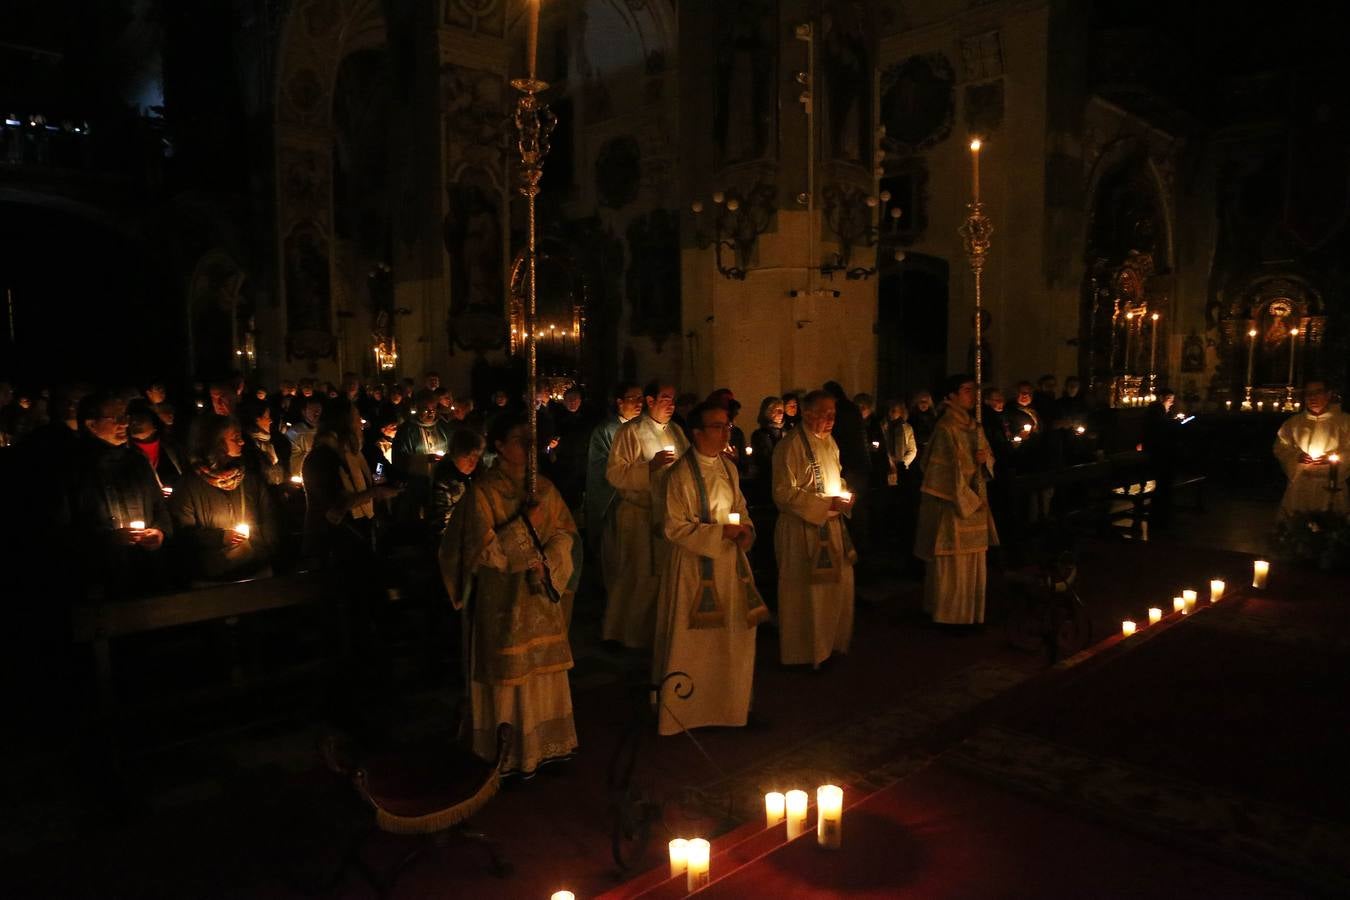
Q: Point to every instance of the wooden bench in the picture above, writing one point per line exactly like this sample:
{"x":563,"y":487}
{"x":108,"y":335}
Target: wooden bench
{"x":99,"y":623}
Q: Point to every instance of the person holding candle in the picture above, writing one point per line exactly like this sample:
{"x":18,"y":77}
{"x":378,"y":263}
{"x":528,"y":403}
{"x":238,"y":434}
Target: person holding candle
{"x":763,"y":440}
{"x":418,"y":446}
{"x":815,"y":553}
{"x":1162,"y":443}
{"x":601,"y":538}
{"x":1304,"y":446}
{"x":217,"y":497}
{"x":956,"y":527}
{"x":708,"y":607}
{"x":492,"y":566}
{"x":637,"y":469}
{"x":452,"y":477}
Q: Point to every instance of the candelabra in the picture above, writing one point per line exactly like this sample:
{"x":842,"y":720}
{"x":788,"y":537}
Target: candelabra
{"x":534,"y":125}
{"x":737,"y":223}
{"x":976,"y":232}
{"x":856,"y":219}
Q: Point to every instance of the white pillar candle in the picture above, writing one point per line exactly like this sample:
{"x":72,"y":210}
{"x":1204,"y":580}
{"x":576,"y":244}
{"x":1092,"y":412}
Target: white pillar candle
{"x":734,"y":518}
{"x":699,"y":860}
{"x":1188,"y":598}
{"x":242,"y":530}
{"x":1154,"y":615}
{"x":679,"y":857}
{"x":829,"y":816}
{"x":1216,"y":587}
{"x":136,"y":525}
{"x":796,"y":813}
{"x":1260,"y":571}
{"x":669,"y":448}
{"x":563,"y":895}
{"x":1178,"y":605}
{"x":775,"y":807}
{"x":1127,"y":628}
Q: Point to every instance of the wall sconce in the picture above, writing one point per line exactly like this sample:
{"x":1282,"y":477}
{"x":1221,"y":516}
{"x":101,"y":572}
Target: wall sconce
{"x":734,"y":223}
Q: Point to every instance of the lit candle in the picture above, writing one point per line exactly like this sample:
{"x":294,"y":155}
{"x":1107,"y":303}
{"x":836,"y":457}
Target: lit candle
{"x":1080,"y":430}
{"x":669,"y":448}
{"x":1153,"y":350}
{"x":796,"y":813}
{"x":440,"y":454}
{"x":1260,"y":405}
{"x":699,"y":859}
{"x":876,"y":445}
{"x":829,"y":816}
{"x":1260,"y":571}
{"x":297,"y":479}
{"x":1228,"y":405}
{"x":1335,"y":460}
{"x":1293,"y":347}
{"x":242,"y":530}
{"x":775,"y":807}
{"x":1129,"y":338}
{"x":1154,"y":615}
{"x":1190,"y":597}
{"x":975,"y":170}
{"x":734,"y":518}
{"x":1127,"y":628}
{"x":1216,"y":587}
{"x":1251,"y":357}
{"x":563,"y":895}
{"x":1179,"y":605}
{"x":532,"y":37}
{"x":846,"y":496}
{"x":136,"y":525}
{"x":679,"y":857}
{"x":166,"y":490}
{"x":749,"y":451}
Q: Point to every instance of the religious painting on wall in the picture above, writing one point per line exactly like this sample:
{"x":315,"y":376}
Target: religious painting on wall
{"x":745,"y":70}
{"x":918,"y":103}
{"x":654,"y":274}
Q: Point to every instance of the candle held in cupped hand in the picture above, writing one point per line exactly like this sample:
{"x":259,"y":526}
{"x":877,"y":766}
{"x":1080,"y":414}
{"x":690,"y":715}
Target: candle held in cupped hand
{"x":242,"y":530}
{"x":1154,"y":615}
{"x":697,"y":875}
{"x":679,"y":857}
{"x":1260,"y":572}
{"x":775,"y":807}
{"x":733,"y":518}
{"x":796,"y":813}
{"x":829,"y":816}
{"x":136,"y":525}
{"x":1216,"y":587}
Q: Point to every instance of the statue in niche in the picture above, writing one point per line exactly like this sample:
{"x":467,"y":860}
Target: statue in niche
{"x":745,"y":68}
{"x":473,"y":238}
{"x":847,"y":62}
{"x":654,"y":274}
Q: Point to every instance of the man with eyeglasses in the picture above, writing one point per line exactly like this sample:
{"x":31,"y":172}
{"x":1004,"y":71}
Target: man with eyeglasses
{"x":708,"y":608}
{"x":600,"y":494}
{"x":115,"y":504}
{"x":1305,"y":445}
{"x":644,"y":449}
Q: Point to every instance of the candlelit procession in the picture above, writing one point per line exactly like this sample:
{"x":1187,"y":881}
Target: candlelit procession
{"x":628,"y":449}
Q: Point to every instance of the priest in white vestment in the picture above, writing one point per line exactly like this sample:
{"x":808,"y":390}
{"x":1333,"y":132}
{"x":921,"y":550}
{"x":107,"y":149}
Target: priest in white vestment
{"x":1304,"y":447}
{"x":815,"y":554}
{"x":708,"y":607}
{"x":643,"y":451}
{"x":517,"y":647}
{"x":956,"y":528}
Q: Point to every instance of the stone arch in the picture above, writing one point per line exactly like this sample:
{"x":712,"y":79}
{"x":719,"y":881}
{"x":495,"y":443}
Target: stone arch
{"x":315,"y":37}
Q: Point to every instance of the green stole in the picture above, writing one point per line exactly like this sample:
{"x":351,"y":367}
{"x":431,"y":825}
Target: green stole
{"x":825,"y":567}
{"x":708,"y":612}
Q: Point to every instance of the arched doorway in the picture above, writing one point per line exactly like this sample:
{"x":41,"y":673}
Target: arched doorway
{"x":912,"y":303}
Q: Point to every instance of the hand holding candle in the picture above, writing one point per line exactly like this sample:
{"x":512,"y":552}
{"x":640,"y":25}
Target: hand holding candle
{"x":243,"y":530}
{"x":136,"y":525}
{"x":733,"y":518}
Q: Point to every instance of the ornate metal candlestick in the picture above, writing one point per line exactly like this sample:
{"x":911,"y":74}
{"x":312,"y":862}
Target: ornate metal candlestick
{"x":975,"y":233}
{"x":534,"y":124}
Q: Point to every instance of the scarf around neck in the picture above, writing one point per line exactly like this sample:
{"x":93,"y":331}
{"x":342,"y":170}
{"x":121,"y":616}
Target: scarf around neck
{"x":223,"y":479}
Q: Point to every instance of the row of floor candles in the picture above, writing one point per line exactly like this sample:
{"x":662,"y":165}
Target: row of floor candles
{"x":1185,"y":604}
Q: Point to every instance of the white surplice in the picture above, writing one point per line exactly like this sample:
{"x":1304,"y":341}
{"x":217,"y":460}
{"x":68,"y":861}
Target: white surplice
{"x":1309,"y":485}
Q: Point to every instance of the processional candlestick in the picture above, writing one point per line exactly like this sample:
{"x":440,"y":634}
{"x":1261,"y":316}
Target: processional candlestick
{"x":975,"y":237}
{"x":534,"y":125}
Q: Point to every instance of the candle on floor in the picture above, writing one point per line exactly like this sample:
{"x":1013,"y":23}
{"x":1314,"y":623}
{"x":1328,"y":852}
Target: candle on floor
{"x":699,"y":858}
{"x":829,"y":816}
{"x":136,"y":525}
{"x":242,"y":530}
{"x":1216,"y":587}
{"x":734,"y":518}
{"x":775,"y":807}
{"x":679,"y":857}
{"x":1178,"y":605}
{"x":1154,"y":615}
{"x":796,"y":813}
{"x":563,"y":895}
{"x":1127,"y":628}
{"x":1260,"y":571}
{"x":1188,"y":598}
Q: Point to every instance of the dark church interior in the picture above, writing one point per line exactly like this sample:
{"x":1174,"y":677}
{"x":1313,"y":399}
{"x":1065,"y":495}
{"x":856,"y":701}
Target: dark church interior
{"x":627,"y":449}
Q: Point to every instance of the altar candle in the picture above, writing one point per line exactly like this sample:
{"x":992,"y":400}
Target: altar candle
{"x":734,"y":518}
{"x":1127,"y":628}
{"x":1179,"y":605}
{"x":1293,"y":347}
{"x":136,"y":525}
{"x":532,"y":38}
{"x":1154,"y":615}
{"x":1153,"y":349}
{"x":242,"y":530}
{"x":775,"y":806}
{"x":699,"y":859}
{"x":1251,"y":354}
{"x":796,"y":813}
{"x":975,"y":170}
{"x":1216,"y":587}
{"x":1260,"y":571}
{"x":829,"y":816}
{"x":679,"y":857}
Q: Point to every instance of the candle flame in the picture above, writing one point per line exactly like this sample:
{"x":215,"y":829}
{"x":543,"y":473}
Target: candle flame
{"x":975,"y":145}
{"x":1252,"y":333}
{"x":1293,"y":332}
{"x":1155,"y":317}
